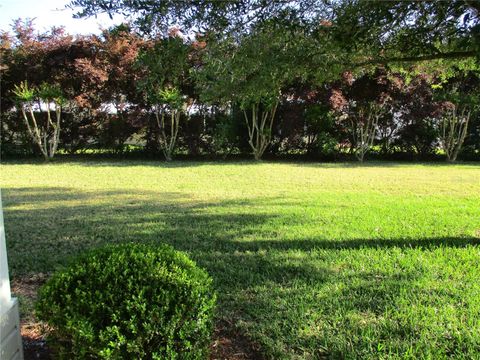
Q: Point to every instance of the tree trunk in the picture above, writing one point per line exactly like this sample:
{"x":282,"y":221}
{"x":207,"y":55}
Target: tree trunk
{"x":453,"y":133}
{"x":364,"y":133}
{"x":34,"y":131}
{"x":260,"y":127}
{"x":168,"y":138}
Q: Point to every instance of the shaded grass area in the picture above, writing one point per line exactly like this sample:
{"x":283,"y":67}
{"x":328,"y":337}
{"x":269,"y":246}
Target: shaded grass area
{"x":309,"y":260}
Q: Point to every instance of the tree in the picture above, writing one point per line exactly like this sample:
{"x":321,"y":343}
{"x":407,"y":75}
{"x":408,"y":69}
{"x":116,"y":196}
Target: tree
{"x":165,"y":73}
{"x":260,"y":124}
{"x":103,"y":85}
{"x":44,"y":132}
{"x":457,"y":113}
{"x":362,"y":121}
{"x":370,"y":32}
{"x":220,"y":16}
{"x":360,"y":103}
{"x":407,"y":31}
{"x":364,"y":124}
{"x":250,"y":72}
{"x":26,"y":55}
{"x":168,"y":100}
{"x":453,"y":130}
{"x":54,"y":57}
{"x":120,"y":49}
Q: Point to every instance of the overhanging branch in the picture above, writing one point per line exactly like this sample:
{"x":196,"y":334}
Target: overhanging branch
{"x":449,"y":55}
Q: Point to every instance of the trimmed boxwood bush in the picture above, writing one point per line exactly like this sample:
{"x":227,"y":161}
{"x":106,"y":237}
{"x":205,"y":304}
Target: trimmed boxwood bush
{"x":129,"y":302}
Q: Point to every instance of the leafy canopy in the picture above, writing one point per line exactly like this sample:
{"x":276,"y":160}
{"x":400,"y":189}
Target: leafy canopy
{"x":370,"y":31}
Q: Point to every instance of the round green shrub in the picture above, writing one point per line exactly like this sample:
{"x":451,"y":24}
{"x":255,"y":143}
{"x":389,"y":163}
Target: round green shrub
{"x":129,"y":302}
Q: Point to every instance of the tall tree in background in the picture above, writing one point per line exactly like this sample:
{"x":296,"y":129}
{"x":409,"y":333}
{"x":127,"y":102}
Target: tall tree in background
{"x":44,"y":130}
{"x":120,"y":48}
{"x":165,"y":77}
{"x":39,"y":60}
{"x":457,"y":113}
{"x":250,"y":72}
{"x":453,"y":130}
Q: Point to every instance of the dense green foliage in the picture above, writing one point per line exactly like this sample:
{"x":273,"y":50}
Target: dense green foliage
{"x":129,"y":301}
{"x":358,"y":31}
{"x":258,"y":68}
{"x":372,"y":261}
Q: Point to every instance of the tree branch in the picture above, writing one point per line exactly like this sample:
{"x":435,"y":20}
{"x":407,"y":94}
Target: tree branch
{"x":449,"y":55}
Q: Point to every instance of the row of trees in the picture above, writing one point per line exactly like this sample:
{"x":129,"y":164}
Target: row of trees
{"x":250,"y":78}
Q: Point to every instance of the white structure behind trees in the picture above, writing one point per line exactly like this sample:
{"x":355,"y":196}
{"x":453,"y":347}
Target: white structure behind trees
{"x":10,"y":339}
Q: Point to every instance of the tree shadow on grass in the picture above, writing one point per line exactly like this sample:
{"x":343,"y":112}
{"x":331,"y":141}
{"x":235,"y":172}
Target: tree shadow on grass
{"x":46,"y":225}
{"x":280,"y":293}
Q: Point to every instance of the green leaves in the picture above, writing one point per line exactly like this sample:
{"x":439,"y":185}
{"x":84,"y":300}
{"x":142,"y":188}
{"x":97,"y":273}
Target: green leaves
{"x":129,"y":301}
{"x":23,"y":92}
{"x":46,"y":92}
{"x":171,"y":97}
{"x":249,"y":70}
{"x":164,"y":69}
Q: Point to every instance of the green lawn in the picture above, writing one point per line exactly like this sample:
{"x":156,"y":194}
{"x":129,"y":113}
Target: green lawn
{"x":309,"y":260}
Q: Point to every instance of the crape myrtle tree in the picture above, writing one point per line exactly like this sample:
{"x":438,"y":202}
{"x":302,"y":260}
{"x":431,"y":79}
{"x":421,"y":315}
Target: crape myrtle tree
{"x":38,"y":58}
{"x":44,"y":130}
{"x":364,"y":122}
{"x":168,"y":104}
{"x":33,"y":78}
{"x":360,"y":104}
{"x":254,"y":72}
{"x":165,"y":74}
{"x":457,"y":103}
{"x":250,"y":72}
{"x":453,"y":130}
{"x":361,"y":118}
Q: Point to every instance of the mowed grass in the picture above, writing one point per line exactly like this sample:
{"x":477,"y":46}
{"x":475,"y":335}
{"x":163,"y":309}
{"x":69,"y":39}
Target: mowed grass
{"x":310,"y":261}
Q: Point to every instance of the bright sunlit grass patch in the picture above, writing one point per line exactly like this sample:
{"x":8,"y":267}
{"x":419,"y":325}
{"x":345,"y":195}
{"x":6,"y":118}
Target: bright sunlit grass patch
{"x":374,"y":261}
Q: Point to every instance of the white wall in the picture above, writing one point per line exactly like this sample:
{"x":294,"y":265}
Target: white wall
{"x":5,"y":296}
{"x":10,"y":339}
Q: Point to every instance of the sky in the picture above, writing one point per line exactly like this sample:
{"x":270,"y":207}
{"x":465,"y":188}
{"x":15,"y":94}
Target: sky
{"x":48,"y":13}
